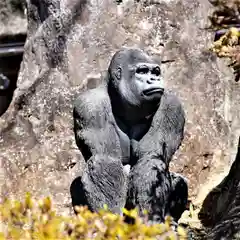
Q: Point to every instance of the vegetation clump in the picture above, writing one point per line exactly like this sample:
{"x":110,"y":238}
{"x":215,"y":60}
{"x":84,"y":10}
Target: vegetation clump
{"x":225,"y":20}
{"x":37,"y":220}
{"x":228,"y":46}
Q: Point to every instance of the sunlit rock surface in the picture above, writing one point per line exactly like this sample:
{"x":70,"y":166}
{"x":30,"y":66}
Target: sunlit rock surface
{"x":13,"y":17}
{"x":69,"y":45}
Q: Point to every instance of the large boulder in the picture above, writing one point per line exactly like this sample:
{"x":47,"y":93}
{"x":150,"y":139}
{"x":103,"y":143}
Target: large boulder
{"x":69,"y":45}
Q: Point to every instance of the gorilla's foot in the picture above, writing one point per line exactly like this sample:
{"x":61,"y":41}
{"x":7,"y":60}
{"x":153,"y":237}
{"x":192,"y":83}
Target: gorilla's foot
{"x":105,"y":182}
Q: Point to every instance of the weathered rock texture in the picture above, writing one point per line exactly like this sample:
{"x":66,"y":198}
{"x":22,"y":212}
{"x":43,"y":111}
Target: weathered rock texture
{"x":67,"y":41}
{"x":12,"y":17}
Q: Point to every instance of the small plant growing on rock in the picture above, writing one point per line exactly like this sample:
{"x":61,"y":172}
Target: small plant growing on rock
{"x":225,"y":19}
{"x":228,"y":46}
{"x":31,"y":220}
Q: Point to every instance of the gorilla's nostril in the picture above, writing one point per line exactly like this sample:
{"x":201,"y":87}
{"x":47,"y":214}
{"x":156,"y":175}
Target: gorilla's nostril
{"x":149,"y":81}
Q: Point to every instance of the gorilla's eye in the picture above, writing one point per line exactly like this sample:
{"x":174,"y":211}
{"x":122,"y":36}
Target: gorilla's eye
{"x":156,"y":71}
{"x":142,"y":70}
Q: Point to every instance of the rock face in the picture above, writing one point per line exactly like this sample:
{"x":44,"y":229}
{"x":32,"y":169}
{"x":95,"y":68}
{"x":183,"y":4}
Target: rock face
{"x":12,"y":17}
{"x":69,"y":44}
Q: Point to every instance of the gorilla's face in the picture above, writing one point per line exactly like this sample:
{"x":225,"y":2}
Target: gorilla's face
{"x":146,"y":82}
{"x":136,"y":76}
{"x":140,"y":79}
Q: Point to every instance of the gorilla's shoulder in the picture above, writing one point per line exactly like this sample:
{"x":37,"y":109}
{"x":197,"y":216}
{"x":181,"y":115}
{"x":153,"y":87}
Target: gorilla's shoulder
{"x":172,"y":106}
{"x":92,"y":102}
{"x":170,"y":100}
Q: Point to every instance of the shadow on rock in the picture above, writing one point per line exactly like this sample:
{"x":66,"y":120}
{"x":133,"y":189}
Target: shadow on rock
{"x":77,"y":193}
{"x":11,"y":54}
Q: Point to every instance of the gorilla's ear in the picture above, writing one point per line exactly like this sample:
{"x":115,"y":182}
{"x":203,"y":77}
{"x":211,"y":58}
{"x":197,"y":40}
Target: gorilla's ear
{"x":118,"y":73}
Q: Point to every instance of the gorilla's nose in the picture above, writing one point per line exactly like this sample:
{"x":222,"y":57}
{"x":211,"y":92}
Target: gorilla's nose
{"x":152,"y":80}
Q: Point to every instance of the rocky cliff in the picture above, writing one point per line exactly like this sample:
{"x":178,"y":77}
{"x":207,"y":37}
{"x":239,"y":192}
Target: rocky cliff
{"x":69,"y":46}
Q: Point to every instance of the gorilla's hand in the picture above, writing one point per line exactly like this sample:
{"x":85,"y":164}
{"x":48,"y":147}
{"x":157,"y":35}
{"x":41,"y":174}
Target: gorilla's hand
{"x":105,"y":182}
{"x":149,"y":188}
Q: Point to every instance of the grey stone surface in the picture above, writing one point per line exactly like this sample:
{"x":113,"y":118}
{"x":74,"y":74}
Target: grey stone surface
{"x":71,"y":40}
{"x":13,"y":17}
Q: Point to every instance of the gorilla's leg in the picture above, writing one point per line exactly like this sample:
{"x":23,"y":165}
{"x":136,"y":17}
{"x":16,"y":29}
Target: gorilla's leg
{"x":149,"y":188}
{"x":103,"y":182}
{"x":178,"y":197}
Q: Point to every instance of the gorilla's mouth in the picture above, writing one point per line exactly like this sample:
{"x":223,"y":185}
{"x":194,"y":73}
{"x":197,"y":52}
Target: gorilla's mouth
{"x":151,"y":91}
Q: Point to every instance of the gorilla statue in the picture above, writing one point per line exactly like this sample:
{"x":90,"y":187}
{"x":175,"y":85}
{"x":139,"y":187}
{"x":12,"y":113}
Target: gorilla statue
{"x":130,"y":121}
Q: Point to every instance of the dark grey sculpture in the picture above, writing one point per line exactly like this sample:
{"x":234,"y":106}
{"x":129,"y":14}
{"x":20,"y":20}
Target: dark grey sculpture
{"x":130,"y":120}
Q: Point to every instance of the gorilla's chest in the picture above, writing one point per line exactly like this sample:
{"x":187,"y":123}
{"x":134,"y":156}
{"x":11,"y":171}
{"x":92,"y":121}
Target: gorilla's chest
{"x":135,"y":132}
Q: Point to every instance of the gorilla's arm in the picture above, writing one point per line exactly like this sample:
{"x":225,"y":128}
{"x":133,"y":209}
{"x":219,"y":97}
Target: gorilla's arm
{"x":166,"y":130}
{"x":93,"y":126}
{"x":103,"y":180}
{"x":151,"y":186}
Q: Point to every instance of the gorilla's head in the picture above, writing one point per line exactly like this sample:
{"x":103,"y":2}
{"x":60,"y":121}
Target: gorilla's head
{"x":136,"y":76}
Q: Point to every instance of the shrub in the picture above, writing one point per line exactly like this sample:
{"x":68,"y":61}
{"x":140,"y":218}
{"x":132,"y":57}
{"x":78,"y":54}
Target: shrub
{"x":225,"y":20}
{"x":228,"y":46}
{"x":31,"y":220}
